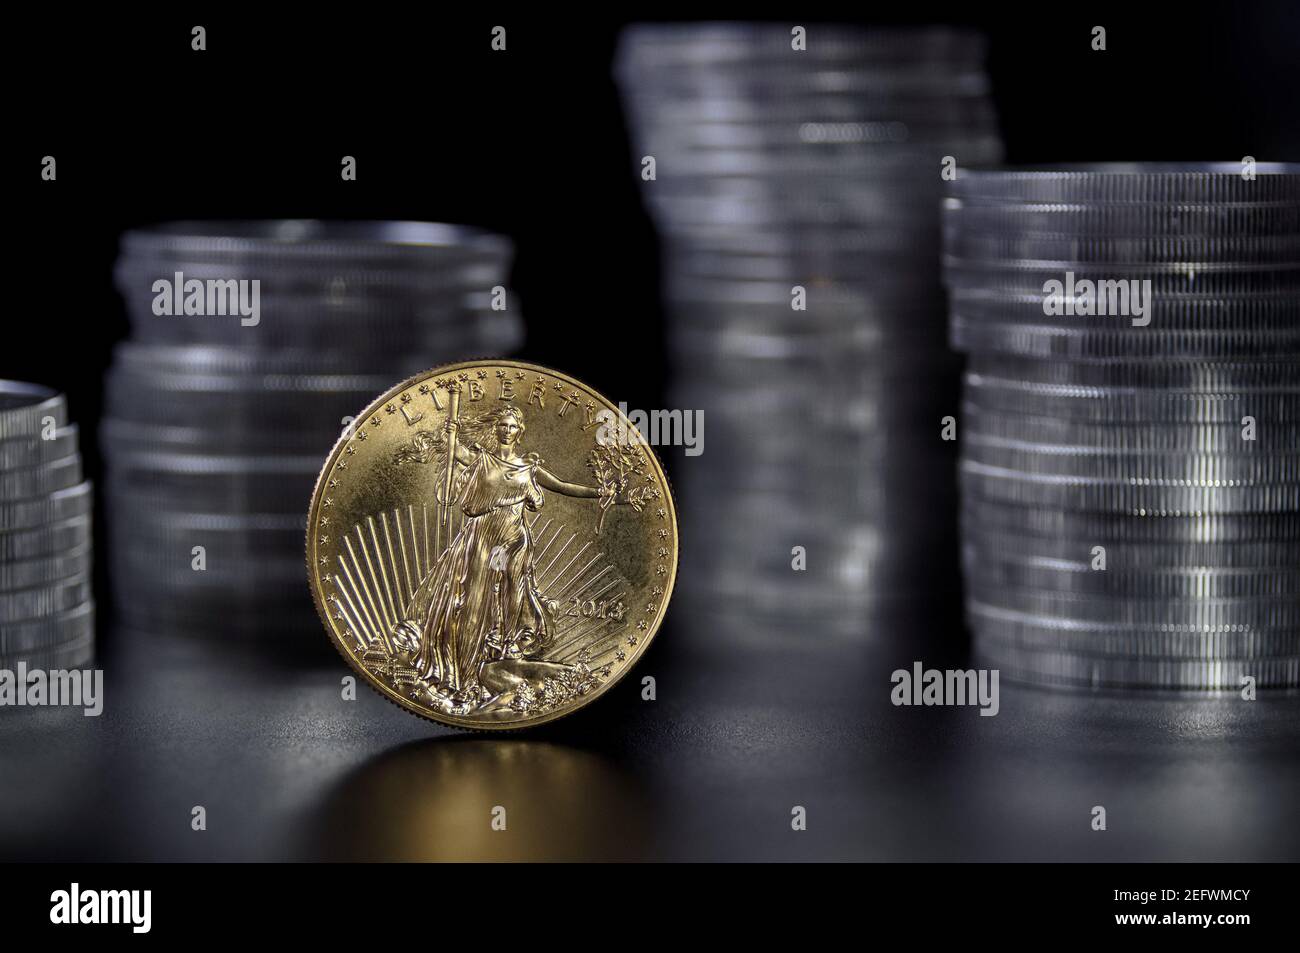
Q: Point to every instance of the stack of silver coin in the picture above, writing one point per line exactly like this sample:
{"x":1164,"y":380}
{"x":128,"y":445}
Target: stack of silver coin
{"x":1130,"y":463}
{"x":795,"y":177}
{"x":47,"y":616}
{"x":217,"y":423}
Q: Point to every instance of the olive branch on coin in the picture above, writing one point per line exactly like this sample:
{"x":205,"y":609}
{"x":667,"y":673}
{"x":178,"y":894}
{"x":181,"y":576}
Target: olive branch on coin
{"x":616,"y":469}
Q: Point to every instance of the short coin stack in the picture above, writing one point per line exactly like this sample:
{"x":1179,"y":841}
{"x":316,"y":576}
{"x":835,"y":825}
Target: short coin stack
{"x":47,"y":617}
{"x":795,"y":178}
{"x":1130,"y":463}
{"x":217,"y":422}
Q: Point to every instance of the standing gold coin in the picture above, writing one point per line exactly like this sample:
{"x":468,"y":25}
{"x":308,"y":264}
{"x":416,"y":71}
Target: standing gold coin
{"x":492,"y":544}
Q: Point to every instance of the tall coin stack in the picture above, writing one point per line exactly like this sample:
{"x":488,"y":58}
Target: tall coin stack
{"x":1130,"y":463}
{"x":795,"y":177}
{"x":47,"y":617}
{"x":217,"y":423}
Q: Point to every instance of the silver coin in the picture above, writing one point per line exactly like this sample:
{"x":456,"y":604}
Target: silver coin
{"x":1208,"y":279}
{"x":241,"y":523}
{"x":883,"y":530}
{"x":160,"y":292}
{"x":793,"y":239}
{"x":1135,"y":527}
{"x":324,"y":403}
{"x":1144,"y":182}
{"x":739,"y":115}
{"x":333,"y":303}
{"x":798,"y":607}
{"x":881,"y":508}
{"x":676,"y":45}
{"x":757,"y":192}
{"x":702,"y":353}
{"x":45,"y":539}
{"x":336,"y":305}
{"x":880,"y":143}
{"x":1113,"y":220}
{"x":1211,"y":376}
{"x":996,"y":249}
{"x":747,"y":356}
{"x":69,"y":655}
{"x":871,"y":334}
{"x":746,"y":203}
{"x":28,"y":409}
{"x":21,"y":452}
{"x":224,"y":558}
{"x":1034,"y":633}
{"x":44,"y":570}
{"x":1124,"y":555}
{"x":1172,"y":468}
{"x":810,"y":269}
{"x":990,"y":573}
{"x":1048,"y":342}
{"x":240,"y":436}
{"x":229,"y":617}
{"x":268,"y":484}
{"x":497,"y":337}
{"x":193,"y":595}
{"x":471,"y":333}
{"x":862,"y":354}
{"x":815,"y":246}
{"x":1101,"y":404}
{"x":17,"y":605}
{"x":290,"y":271}
{"x":1121,"y":496}
{"x":687,"y":167}
{"x":56,"y":507}
{"x":405,"y":244}
{"x":72,"y":625}
{"x":1258,"y":611}
{"x":262,"y":576}
{"x":128,"y":382}
{"x":983,"y":426}
{"x":877,"y":142}
{"x":1191,"y":312}
{"x":877,"y":280}
{"x":231,"y":494}
{"x":784,"y":78}
{"x":213,"y":465}
{"x":1151,"y":646}
{"x":737,"y":292}
{"x":23,"y":483}
{"x":711,"y":326}
{"x":171,"y":545}
{"x":690,"y":179}
{"x":1056,"y":668}
{"x":248,"y":438}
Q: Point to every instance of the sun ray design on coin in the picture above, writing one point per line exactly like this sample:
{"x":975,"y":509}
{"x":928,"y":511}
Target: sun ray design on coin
{"x":491,"y":545}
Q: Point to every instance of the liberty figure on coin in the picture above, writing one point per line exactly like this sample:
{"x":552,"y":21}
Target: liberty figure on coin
{"x":477,"y":622}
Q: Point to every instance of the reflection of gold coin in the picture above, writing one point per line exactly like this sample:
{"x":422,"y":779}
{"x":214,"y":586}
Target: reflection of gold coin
{"x":492,"y":544}
{"x":475,"y":799}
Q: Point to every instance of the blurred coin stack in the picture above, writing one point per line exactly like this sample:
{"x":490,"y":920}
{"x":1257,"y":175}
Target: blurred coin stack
{"x":1130,"y":465}
{"x":47,"y":618}
{"x":217,"y":423}
{"x":795,"y":178}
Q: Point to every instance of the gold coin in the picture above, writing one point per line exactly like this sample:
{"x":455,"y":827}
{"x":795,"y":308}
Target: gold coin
{"x":492,"y":544}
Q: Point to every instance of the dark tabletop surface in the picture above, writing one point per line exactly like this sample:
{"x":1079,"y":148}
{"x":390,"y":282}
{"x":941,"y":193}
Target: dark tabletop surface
{"x":744,"y":728}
